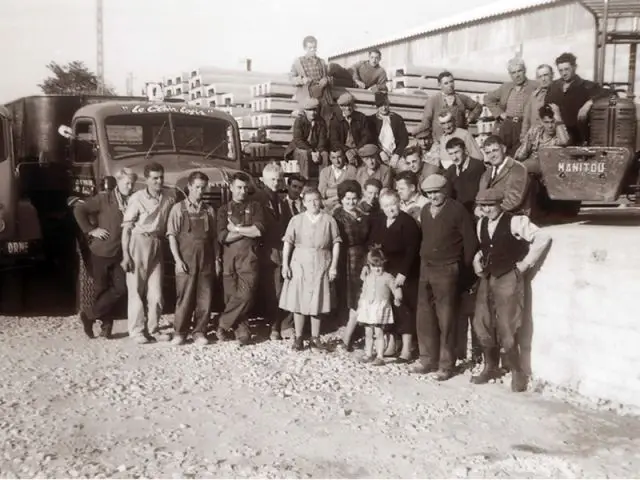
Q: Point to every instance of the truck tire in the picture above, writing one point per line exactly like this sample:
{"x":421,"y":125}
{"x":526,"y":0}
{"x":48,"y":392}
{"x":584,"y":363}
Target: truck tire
{"x":12,"y":292}
{"x":85,"y":289}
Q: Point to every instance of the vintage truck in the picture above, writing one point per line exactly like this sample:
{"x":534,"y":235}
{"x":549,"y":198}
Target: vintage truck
{"x":61,"y":149}
{"x":609,"y":166}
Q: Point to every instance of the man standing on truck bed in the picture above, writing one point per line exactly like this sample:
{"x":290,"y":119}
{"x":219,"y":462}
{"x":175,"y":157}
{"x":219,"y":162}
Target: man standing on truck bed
{"x":144,"y":226}
{"x":191,"y":229}
{"x":240,"y":226}
{"x":574,"y":96}
{"x":100,"y":218}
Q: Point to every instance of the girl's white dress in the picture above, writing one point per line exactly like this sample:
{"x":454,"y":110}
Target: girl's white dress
{"x":374,"y":306}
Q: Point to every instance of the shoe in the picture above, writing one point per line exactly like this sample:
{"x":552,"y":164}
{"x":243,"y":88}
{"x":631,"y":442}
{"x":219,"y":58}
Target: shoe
{"x":317,"y":343}
{"x":490,"y":369}
{"x":378,"y":362}
{"x":141,"y":339}
{"x":367,"y":359}
{"x":275,"y":335}
{"x":87,"y":325}
{"x":106,"y":328}
{"x":178,"y":340}
{"x":288,"y":333}
{"x":162,"y":337}
{"x":224,"y":335}
{"x":518,"y":378}
{"x":150,"y":338}
{"x":298,"y":344}
{"x":344,"y":346}
{"x":442,"y":375}
{"x":402,"y":360}
{"x":422,"y":369}
{"x":243,"y":341}
{"x":200,"y":339}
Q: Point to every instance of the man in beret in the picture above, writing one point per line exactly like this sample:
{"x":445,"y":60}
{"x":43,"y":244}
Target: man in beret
{"x":509,"y":246}
{"x":389,"y":130}
{"x":506,"y":175}
{"x":309,"y":145}
{"x":448,"y":243}
{"x":372,"y":166}
{"x":349,"y":131}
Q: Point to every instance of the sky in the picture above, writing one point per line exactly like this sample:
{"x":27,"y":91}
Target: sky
{"x":152,"y":39}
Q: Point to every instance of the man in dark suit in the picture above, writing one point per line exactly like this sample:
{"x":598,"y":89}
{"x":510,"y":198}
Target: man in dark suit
{"x":465,"y":173}
{"x":389,"y":131}
{"x":349,"y":131}
{"x":291,"y":204}
{"x":309,"y":145}
{"x":506,"y":176}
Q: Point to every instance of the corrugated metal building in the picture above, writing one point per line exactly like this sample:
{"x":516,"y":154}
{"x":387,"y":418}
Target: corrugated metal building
{"x":485,"y":38}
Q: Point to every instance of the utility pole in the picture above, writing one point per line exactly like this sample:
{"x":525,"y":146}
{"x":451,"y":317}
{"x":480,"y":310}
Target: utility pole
{"x":99,"y":48}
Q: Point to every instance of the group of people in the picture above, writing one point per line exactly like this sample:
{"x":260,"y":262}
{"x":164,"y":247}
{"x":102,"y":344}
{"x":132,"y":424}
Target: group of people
{"x":414,"y":241}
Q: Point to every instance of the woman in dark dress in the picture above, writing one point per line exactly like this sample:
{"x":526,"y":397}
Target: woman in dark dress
{"x":353,"y":226}
{"x":399,"y":236}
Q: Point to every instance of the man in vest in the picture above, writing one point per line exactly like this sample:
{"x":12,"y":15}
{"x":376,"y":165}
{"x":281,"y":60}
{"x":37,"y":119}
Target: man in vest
{"x":191,"y":229}
{"x":144,"y":225}
{"x":509,"y":246}
{"x":240,"y":225}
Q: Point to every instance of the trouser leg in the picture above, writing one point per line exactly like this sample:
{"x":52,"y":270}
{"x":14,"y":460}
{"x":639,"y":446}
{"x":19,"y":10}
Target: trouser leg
{"x":137,"y":286}
{"x":202,"y":314}
{"x":154,"y":290}
{"x":240,"y":288}
{"x":427,"y":326}
{"x":444,"y":285}
{"x":101,"y":283}
{"x":185,"y":302}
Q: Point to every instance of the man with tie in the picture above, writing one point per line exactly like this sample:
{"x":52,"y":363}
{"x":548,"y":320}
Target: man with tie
{"x":505,"y":175}
{"x":292,"y":203}
{"x":464,"y":174}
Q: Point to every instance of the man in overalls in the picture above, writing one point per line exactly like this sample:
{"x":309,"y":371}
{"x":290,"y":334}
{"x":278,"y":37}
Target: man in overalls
{"x":192,"y":237}
{"x":240,"y":225}
{"x":143,"y":228}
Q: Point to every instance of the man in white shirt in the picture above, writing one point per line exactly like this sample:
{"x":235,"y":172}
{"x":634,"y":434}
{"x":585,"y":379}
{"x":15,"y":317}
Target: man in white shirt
{"x":510,"y":245}
{"x":449,"y":131}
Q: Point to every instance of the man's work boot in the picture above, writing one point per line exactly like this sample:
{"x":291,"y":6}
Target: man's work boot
{"x":422,"y":369}
{"x":224,"y":335}
{"x":490,"y":370}
{"x":87,"y":324}
{"x":106,"y":328}
{"x":518,"y":377}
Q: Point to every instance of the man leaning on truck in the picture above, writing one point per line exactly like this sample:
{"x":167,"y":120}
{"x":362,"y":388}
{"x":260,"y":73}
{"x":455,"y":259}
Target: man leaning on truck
{"x":144,"y":226}
{"x":100,"y":218}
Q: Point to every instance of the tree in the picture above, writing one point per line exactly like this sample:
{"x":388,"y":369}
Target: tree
{"x":74,"y":78}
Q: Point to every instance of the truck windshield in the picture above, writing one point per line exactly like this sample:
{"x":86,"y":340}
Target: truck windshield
{"x":129,"y":135}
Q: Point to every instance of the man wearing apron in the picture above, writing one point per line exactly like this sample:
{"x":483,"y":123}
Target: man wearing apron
{"x":192,"y":237}
{"x":240,"y":225}
{"x":143,"y":228}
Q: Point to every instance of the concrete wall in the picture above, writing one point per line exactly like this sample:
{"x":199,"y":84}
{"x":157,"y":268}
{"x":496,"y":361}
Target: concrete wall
{"x":540,"y":35}
{"x":586,"y":312}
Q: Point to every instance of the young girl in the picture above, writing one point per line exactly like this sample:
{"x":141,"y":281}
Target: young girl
{"x":374,"y":306}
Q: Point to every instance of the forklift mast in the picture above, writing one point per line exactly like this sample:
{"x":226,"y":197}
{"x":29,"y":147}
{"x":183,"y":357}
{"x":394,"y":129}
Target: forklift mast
{"x":608,"y":14}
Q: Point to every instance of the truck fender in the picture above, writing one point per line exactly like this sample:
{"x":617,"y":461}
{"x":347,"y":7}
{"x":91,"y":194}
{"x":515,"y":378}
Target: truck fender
{"x":28,"y":221}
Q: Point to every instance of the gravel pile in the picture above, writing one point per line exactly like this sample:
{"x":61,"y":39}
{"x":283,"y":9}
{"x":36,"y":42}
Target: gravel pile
{"x":75,"y":408}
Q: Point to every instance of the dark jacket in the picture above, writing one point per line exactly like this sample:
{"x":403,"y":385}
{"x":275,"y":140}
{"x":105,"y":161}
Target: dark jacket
{"x":101,"y":211}
{"x":400,"y":243}
{"x":513,"y":182}
{"x":339,"y":128}
{"x":398,"y":127}
{"x":274,"y":222}
{"x":308,"y":138}
{"x":464,"y":187}
{"x":579,"y":92}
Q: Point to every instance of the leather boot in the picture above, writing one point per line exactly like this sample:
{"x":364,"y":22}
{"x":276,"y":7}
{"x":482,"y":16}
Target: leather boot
{"x":490,"y":369}
{"x":518,"y":377}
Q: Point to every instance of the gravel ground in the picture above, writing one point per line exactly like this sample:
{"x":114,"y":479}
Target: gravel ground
{"x":70,"y":407}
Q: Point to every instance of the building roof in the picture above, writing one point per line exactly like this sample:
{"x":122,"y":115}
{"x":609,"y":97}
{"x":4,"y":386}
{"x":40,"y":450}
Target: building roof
{"x":485,"y":12}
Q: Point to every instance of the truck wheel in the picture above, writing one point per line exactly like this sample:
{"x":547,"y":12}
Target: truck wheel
{"x":85,"y":290}
{"x":12,"y":289}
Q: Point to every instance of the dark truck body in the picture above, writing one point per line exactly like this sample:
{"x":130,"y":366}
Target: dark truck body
{"x":46,"y":174}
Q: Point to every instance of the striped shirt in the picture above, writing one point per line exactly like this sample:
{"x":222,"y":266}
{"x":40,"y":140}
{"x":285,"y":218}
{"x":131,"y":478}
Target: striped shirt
{"x":516,"y":101}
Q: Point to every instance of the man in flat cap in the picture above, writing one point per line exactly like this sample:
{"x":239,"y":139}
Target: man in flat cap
{"x":509,"y":246}
{"x":349,"y":131}
{"x":448,"y":245}
{"x":309,"y":145}
{"x":372,"y":166}
{"x":389,"y":130}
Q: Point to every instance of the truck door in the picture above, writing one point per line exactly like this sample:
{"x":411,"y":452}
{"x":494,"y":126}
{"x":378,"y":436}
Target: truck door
{"x":84,"y":158}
